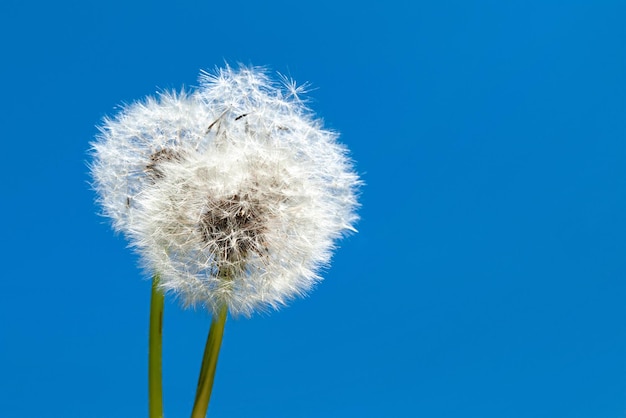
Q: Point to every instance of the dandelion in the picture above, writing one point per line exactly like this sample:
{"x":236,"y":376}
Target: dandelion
{"x":236,"y":178}
{"x":234,"y":194}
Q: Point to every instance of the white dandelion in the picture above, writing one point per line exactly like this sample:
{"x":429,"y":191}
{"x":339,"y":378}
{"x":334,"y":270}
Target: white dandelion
{"x":234,"y":194}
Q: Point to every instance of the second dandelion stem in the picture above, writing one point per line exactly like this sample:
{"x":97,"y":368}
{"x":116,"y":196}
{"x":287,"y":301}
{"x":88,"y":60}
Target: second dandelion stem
{"x":209,"y":363}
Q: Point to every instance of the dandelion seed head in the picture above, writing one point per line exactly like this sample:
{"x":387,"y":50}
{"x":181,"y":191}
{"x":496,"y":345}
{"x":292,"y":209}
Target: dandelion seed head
{"x":243,"y":208}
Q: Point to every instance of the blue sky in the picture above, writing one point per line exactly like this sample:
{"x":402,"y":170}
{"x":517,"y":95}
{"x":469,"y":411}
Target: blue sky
{"x":487,"y":277}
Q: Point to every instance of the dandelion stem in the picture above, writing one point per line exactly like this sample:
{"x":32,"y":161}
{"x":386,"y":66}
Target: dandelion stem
{"x":209,"y":363}
{"x":155,"y":388}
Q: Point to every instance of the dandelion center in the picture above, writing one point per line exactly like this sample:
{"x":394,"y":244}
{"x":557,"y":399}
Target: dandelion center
{"x":233,"y":226}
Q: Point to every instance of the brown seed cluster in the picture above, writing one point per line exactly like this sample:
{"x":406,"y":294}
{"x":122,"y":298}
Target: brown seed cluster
{"x":158,"y":157}
{"x":234,"y":226}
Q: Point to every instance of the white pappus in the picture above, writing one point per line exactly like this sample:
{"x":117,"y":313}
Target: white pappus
{"x":234,"y":194}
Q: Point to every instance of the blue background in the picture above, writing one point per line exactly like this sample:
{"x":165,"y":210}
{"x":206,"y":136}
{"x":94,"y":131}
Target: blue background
{"x":487,"y":279}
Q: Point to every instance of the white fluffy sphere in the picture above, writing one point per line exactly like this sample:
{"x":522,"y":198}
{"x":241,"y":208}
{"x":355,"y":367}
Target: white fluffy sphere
{"x":233,"y":194}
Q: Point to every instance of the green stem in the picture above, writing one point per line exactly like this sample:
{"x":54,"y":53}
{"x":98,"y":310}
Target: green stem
{"x":155,"y":385}
{"x":209,"y":363}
